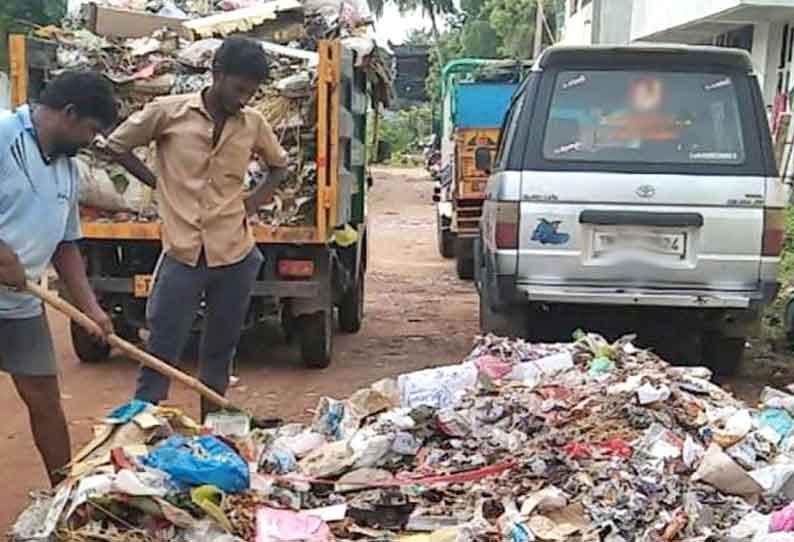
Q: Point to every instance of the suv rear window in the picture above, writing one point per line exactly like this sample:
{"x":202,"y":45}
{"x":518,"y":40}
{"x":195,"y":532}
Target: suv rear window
{"x":644,"y":117}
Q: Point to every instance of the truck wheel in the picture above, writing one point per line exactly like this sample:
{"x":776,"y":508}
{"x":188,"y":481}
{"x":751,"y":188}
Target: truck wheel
{"x":351,"y":309}
{"x":723,"y":355}
{"x":465,"y":268}
{"x":317,"y":338}
{"x":126,"y":331}
{"x":87,"y":348}
{"x":446,"y":240}
{"x":513,"y":322}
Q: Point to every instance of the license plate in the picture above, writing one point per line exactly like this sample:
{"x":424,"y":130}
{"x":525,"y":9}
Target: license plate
{"x":142,"y":285}
{"x":661,"y":243}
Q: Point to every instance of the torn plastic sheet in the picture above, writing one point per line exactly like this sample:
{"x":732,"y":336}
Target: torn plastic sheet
{"x":773,"y":478}
{"x":39,"y":520}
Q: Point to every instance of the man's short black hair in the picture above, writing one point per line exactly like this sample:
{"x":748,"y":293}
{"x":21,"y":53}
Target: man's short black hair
{"x":242,"y":57}
{"x":89,"y":92}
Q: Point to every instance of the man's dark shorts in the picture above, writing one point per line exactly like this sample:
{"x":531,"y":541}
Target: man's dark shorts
{"x":26,"y":347}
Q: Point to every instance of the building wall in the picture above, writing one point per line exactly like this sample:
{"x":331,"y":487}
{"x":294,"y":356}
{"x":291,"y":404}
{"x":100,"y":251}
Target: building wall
{"x":612,"y":21}
{"x":578,"y":23}
{"x":651,"y":17}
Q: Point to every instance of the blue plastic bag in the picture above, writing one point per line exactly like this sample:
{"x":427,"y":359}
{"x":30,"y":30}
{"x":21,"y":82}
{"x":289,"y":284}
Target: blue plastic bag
{"x":777,"y":419}
{"x":126,"y":412}
{"x":201,"y":461}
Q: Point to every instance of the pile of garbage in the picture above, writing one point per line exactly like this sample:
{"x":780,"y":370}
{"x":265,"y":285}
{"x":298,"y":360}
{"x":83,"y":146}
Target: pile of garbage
{"x":166,"y":62}
{"x":586,"y":441}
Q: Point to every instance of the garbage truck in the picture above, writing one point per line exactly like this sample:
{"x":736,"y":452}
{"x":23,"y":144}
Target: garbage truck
{"x":476,"y":94}
{"x":313,"y":276}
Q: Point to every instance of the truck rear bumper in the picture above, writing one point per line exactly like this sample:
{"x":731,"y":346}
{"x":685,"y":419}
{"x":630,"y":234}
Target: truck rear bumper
{"x":262,"y":288}
{"x":624,"y":296}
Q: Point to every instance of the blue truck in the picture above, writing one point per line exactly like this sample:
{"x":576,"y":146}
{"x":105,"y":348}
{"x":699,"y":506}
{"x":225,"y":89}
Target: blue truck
{"x":476,"y":93}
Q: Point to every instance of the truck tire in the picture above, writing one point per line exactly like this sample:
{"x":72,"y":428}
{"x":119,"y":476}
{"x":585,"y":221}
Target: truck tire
{"x":351,"y":309}
{"x":317,"y":338}
{"x":513,"y":322}
{"x":723,"y":355}
{"x":446,"y":240}
{"x":126,"y":331}
{"x":465,"y":268}
{"x":87,"y":348}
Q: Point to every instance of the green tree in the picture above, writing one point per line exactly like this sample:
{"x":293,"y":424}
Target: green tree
{"x":20,"y":15}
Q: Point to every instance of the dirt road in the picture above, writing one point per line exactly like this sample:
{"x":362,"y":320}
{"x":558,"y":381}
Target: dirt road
{"x":418,"y":315}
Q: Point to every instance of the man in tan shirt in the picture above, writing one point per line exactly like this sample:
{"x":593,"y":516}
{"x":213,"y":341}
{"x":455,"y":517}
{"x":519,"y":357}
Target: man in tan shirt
{"x":204,"y":145}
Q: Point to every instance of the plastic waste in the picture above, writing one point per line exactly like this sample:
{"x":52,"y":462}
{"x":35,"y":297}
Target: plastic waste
{"x":39,"y":520}
{"x":126,"y":412}
{"x":300,"y":444}
{"x":147,"y":483}
{"x":169,"y":9}
{"x":782,"y":520}
{"x":531,"y":371}
{"x":280,"y":461}
{"x":437,"y":388}
{"x":732,"y":429}
{"x":692,"y":452}
{"x":369,"y":449}
{"x":405,"y":444}
{"x":600,"y":367}
{"x":328,"y":460}
{"x":773,"y":478}
{"x":648,"y":394}
{"x":493,"y":367}
{"x":772,"y":398}
{"x":210,"y":500}
{"x":284,"y":526}
{"x":200,"y":461}
{"x":776,"y":419}
{"x":550,"y":498}
{"x":209,"y":531}
{"x":228,"y":424}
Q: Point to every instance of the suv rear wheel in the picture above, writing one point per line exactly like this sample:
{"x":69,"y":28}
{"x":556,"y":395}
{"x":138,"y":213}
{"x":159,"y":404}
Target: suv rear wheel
{"x":721,"y":354}
{"x":513,"y":322}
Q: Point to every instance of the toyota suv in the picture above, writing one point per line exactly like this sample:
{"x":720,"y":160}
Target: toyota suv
{"x":634,"y":189}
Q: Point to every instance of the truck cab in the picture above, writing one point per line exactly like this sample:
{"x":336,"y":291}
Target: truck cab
{"x":634,"y":187}
{"x":476,"y":94}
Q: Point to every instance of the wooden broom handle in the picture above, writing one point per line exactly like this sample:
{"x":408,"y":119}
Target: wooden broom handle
{"x":144,"y":358}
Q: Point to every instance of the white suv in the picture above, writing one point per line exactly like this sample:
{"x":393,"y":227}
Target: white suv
{"x":634,"y":187}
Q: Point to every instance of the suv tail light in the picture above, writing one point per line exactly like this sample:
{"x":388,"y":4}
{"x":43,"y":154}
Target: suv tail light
{"x":774,"y":231}
{"x":302,"y":269}
{"x":506,"y":232}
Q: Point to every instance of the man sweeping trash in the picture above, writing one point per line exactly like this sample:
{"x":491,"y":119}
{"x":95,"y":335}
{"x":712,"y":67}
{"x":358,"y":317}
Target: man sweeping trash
{"x":204,"y":145}
{"x":39,"y":225}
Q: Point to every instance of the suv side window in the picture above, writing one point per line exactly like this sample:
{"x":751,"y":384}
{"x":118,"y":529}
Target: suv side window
{"x":509,"y":129}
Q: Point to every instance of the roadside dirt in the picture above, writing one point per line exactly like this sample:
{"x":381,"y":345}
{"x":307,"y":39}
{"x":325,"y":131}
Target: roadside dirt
{"x":417,"y":315}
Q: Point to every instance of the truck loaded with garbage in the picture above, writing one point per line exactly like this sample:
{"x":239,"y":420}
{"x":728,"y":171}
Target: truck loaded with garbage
{"x":325,"y":76}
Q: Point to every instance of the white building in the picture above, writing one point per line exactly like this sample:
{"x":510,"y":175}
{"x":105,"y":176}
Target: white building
{"x":765,"y":28}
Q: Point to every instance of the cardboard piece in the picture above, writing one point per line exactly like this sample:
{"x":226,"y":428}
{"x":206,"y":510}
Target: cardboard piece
{"x":122,"y":23}
{"x":720,"y":471}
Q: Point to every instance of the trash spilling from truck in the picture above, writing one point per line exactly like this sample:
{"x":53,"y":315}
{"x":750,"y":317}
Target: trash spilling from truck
{"x":583,"y":441}
{"x":177,"y":60}
{"x":328,"y":82}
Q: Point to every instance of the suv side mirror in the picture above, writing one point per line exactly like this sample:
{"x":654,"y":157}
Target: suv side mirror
{"x":482,"y":160}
